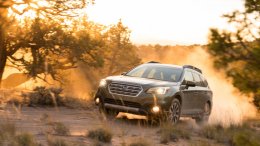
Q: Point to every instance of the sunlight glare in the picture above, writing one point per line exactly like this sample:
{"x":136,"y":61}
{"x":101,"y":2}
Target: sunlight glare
{"x":167,"y":21}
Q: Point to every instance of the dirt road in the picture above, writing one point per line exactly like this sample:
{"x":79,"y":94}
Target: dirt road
{"x":30,"y":119}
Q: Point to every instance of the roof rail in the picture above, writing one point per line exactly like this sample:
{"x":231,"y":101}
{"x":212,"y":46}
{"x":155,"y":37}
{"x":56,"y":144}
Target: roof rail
{"x":152,"y":62}
{"x":192,"y":67}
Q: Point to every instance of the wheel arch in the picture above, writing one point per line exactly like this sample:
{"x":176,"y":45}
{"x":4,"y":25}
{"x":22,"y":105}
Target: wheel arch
{"x":178,"y":96}
{"x":210,"y":104}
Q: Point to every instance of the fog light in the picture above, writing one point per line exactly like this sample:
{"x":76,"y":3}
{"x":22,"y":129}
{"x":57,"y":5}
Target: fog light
{"x":97,"y":100}
{"x":156,"y":109}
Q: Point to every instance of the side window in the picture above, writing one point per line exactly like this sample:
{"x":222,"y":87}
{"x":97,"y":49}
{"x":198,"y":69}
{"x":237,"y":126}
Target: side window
{"x":197,"y":79}
{"x":204,"y":81}
{"x":188,"y":76}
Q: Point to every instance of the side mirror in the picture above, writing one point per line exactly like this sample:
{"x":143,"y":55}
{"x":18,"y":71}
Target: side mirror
{"x":190,"y":84}
{"x":123,"y":73}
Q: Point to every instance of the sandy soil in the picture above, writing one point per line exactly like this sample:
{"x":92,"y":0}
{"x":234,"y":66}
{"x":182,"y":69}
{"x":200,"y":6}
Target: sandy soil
{"x":125,"y":130}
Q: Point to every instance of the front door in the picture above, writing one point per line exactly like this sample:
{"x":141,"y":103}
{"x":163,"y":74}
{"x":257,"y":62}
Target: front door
{"x":188,"y":101}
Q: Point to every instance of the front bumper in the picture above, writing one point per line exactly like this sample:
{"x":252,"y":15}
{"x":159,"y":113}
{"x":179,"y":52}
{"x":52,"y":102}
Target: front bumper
{"x":141,"y":104}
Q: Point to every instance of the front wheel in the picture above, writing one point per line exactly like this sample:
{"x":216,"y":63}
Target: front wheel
{"x":174,"y":113}
{"x":203,"y":119}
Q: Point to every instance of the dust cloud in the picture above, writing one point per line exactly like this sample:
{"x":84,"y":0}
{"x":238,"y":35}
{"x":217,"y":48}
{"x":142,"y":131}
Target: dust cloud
{"x":229,"y":105}
{"x":81,"y":82}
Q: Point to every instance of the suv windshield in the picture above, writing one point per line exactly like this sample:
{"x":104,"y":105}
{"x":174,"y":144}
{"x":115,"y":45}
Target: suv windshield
{"x":157,"y":72}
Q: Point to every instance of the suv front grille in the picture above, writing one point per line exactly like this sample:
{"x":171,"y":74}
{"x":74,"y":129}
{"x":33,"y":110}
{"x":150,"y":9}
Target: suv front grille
{"x":122,"y":103}
{"x":124,"y":89}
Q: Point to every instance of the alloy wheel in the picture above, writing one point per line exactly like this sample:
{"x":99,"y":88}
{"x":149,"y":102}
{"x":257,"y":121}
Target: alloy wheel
{"x":174,"y":112}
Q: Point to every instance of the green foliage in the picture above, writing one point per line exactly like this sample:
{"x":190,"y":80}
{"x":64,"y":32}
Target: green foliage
{"x":238,"y":53}
{"x":46,"y":40}
{"x":35,"y":39}
{"x":119,"y":53}
{"x":101,"y":134}
{"x":252,"y":6}
{"x":35,"y":48}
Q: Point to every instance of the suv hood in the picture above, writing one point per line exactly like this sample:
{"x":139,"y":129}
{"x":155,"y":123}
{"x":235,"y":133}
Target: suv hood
{"x":140,"y":81}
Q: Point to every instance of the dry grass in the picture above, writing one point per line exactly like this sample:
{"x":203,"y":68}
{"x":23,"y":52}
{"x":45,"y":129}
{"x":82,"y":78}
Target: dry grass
{"x":101,"y":134}
{"x":9,"y":136}
{"x":25,"y":139}
{"x":173,"y":133}
{"x":234,"y":135}
{"x":60,"y":129}
{"x":201,"y":143}
{"x":140,"y":142}
{"x":56,"y":142}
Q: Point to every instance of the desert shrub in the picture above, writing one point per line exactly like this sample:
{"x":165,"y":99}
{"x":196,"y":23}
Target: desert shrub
{"x":44,"y":96}
{"x":53,"y":97}
{"x":60,"y":129}
{"x":246,"y":138}
{"x":237,"y":135}
{"x":25,"y":139}
{"x":173,"y":133}
{"x":140,"y":142}
{"x":56,"y":142}
{"x":100,"y":134}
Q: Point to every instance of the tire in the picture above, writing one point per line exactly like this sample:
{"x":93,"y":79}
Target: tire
{"x":174,"y":112}
{"x":203,"y":119}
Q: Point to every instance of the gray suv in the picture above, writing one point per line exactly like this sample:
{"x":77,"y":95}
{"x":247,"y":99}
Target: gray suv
{"x":157,"y":90}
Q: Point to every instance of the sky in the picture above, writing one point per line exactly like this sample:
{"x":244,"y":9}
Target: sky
{"x":166,"y":22}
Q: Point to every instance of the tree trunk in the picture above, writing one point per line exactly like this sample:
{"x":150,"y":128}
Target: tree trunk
{"x":3,"y":52}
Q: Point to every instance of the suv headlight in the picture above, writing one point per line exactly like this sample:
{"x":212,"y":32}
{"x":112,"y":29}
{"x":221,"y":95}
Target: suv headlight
{"x":158,"y":90}
{"x":103,"y":83}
